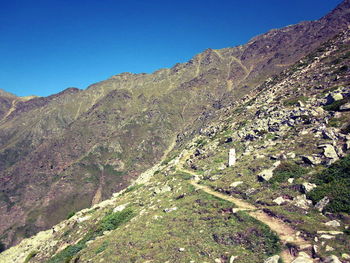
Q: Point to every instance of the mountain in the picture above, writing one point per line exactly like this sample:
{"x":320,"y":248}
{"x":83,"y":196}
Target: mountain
{"x":62,"y":153}
{"x":262,"y":179}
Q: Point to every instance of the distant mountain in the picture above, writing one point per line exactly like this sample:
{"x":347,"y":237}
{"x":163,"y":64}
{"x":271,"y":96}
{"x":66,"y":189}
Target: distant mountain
{"x":68,"y":151}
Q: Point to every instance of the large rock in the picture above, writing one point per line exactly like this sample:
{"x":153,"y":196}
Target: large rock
{"x":332,"y":259}
{"x":273,"y":259}
{"x":329,"y":151}
{"x":322,"y":203}
{"x":311,"y":159}
{"x":307,"y":187}
{"x":333,"y":97}
{"x":266,"y":175}
{"x":303,"y":258}
{"x":333,"y":223}
{"x":345,"y":107}
{"x":302,"y":202}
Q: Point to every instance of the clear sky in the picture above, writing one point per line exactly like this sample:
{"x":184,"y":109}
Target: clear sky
{"x":49,"y":45}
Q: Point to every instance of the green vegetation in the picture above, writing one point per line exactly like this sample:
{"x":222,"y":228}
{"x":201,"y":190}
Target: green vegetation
{"x":334,"y":182}
{"x":133,"y":188}
{"x":102,"y":247}
{"x":335,"y":106}
{"x":295,"y":100}
{"x":30,"y":256}
{"x":109,"y":222}
{"x":71,"y":214}
{"x":287,"y":170}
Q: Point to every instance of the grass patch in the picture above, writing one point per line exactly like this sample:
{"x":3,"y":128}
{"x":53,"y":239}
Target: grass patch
{"x":102,"y":247}
{"x":71,"y":214}
{"x":287,"y":170}
{"x":295,"y":100}
{"x":30,"y":256}
{"x":334,"y":182}
{"x":109,"y":222}
{"x":133,"y":188}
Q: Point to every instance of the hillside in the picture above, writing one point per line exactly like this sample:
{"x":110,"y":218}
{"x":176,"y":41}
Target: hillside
{"x":285,"y":194}
{"x":69,"y":151}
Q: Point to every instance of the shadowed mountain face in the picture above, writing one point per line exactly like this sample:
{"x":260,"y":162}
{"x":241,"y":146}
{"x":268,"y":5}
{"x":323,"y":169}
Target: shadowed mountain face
{"x":64,"y":152}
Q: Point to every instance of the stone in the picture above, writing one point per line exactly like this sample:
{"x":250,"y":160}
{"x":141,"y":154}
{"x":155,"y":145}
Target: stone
{"x":307,"y":187}
{"x":303,"y":258}
{"x":273,"y":259}
{"x":167,"y":210}
{"x":265,"y":175}
{"x":345,"y":256}
{"x":232,"y":258}
{"x":345,"y":107}
{"x":322,"y":203}
{"x":333,"y":97}
{"x":332,"y":259}
{"x":181,"y":249}
{"x":329,"y":248}
{"x":162,"y":189}
{"x":120,"y":208}
{"x":232,"y":157}
{"x":302,"y":202}
{"x":279,"y":200}
{"x":333,"y":223}
{"x":311,"y":159}
{"x":329,"y":151}
{"x":217,"y":260}
{"x":290,"y":180}
{"x":325,"y":236}
{"x":235,"y":184}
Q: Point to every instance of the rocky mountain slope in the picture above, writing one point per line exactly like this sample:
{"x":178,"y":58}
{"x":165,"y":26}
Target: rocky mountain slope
{"x":265,"y":179}
{"x":71,"y":150}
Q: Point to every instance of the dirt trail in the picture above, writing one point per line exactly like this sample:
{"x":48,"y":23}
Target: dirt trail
{"x":286,"y":233}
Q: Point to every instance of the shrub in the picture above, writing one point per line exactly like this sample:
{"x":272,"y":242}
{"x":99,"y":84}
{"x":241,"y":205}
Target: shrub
{"x":30,"y":256}
{"x":334,"y":182}
{"x":335,"y":106}
{"x":113,"y":220}
{"x":71,"y":214}
{"x":286,"y":170}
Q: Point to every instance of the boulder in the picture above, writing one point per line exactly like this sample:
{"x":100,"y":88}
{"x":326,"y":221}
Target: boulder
{"x":345,"y":107}
{"x":329,"y":151}
{"x":280,"y":200}
{"x":345,"y":256}
{"x":311,"y":159}
{"x":333,"y":223}
{"x":168,"y":210}
{"x":235,"y":184}
{"x":273,"y":259}
{"x":307,"y":187}
{"x":322,"y":203}
{"x":162,"y":189}
{"x":303,"y":258}
{"x":120,"y":208}
{"x":333,"y":97}
{"x":265,"y":175}
{"x":302,"y":202}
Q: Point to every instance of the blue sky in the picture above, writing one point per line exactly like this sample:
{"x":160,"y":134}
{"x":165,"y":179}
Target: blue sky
{"x":49,"y":45}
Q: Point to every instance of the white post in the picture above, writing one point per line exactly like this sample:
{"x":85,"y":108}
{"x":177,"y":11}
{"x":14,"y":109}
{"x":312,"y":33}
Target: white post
{"x":232,"y":157}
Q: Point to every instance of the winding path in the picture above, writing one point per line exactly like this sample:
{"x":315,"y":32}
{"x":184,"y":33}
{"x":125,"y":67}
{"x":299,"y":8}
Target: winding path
{"x":286,"y":233}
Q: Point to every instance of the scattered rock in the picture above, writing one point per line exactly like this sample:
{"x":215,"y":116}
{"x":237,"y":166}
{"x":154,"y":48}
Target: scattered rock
{"x":120,"y":208}
{"x":329,"y":248}
{"x":303,"y":258}
{"x":280,"y":200}
{"x":302,"y":202}
{"x":345,"y":256}
{"x":333,"y":223}
{"x":327,"y":236}
{"x":329,"y":151}
{"x":332,"y":259}
{"x":162,"y":189}
{"x":266,"y":174}
{"x":273,"y":259}
{"x":291,"y":155}
{"x":235,"y":184}
{"x":181,"y":249}
{"x":333,"y":97}
{"x":167,"y":210}
{"x":345,"y":107}
{"x":290,"y":180}
{"x":322,"y":203}
{"x":232,"y":258}
{"x":311,"y":159}
{"x":307,"y":187}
